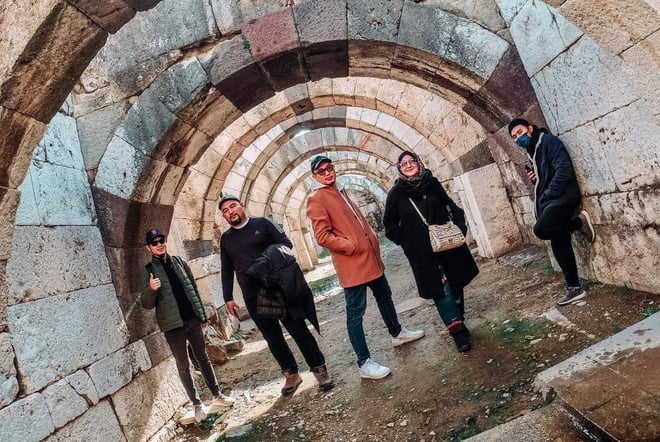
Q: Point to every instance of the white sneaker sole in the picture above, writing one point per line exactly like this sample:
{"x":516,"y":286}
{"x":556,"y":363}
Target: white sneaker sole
{"x":367,"y":376}
{"x":397,"y":342}
{"x":572,"y":300}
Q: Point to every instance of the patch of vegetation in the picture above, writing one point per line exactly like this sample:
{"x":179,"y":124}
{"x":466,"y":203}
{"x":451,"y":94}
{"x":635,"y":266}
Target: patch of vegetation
{"x":588,"y":283}
{"x":548,"y":269}
{"x":259,"y":430}
{"x":648,"y":311}
{"x":616,"y":328}
{"x":519,"y":331}
{"x":323,"y":285}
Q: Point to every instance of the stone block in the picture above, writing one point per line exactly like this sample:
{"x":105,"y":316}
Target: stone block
{"x":96,"y":129}
{"x":285,"y":70}
{"x":47,"y":348}
{"x":541,"y":34}
{"x":144,"y":405}
{"x":60,"y":145}
{"x":8,"y":381}
{"x":55,"y":195}
{"x":271,"y":35}
{"x":9,"y":201}
{"x":83,"y":385}
{"x":581,"y":85}
{"x":18,"y":137}
{"x":110,"y":15}
{"x":228,"y":15}
{"x":509,"y":8}
{"x":119,"y":368}
{"x":641,"y":64}
{"x":65,"y":40}
{"x":374,"y":21}
{"x":320,"y":21}
{"x":158,"y":31}
{"x":26,"y":420}
{"x":98,"y":420}
{"x":120,"y":168}
{"x":64,"y":403}
{"x":616,"y":26}
{"x":210,"y":112}
{"x":426,"y":28}
{"x":177,"y":86}
{"x":49,"y":261}
{"x":475,"y":48}
{"x":157,"y":347}
{"x":485,"y":200}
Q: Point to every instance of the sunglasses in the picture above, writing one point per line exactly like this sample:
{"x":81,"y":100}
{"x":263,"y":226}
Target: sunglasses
{"x":407,"y":163}
{"x":156,"y":242}
{"x":329,"y":168}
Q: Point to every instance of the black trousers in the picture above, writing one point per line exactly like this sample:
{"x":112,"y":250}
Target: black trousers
{"x":178,"y":340}
{"x":556,"y":223}
{"x":271,"y":330}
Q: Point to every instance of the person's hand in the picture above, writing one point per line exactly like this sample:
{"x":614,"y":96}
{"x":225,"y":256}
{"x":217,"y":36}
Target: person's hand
{"x":231,"y":307}
{"x":205,"y":325}
{"x":532,"y":176}
{"x":154,"y":283}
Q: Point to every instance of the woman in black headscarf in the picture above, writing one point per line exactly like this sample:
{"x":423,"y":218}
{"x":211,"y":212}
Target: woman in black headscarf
{"x":439,"y":276}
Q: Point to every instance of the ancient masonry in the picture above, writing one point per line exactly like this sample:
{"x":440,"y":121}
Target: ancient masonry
{"x":124,"y":115}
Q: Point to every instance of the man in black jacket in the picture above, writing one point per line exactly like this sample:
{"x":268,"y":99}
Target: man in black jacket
{"x":557,"y":199}
{"x":247,"y":249}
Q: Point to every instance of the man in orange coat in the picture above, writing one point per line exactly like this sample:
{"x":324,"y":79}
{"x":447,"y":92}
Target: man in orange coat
{"x":340,"y":227}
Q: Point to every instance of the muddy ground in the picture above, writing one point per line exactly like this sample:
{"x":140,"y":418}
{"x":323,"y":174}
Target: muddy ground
{"x":434,"y":393}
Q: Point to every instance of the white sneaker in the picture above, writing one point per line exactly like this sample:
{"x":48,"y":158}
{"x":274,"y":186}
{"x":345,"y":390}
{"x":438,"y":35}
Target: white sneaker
{"x":373,"y":370}
{"x":406,"y":335}
{"x":201,"y":411}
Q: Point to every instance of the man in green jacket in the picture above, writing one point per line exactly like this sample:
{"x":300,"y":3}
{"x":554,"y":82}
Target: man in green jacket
{"x":169,"y":286}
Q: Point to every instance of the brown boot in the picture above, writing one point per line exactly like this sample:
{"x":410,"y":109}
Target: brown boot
{"x":291,"y":383}
{"x":323,"y":378}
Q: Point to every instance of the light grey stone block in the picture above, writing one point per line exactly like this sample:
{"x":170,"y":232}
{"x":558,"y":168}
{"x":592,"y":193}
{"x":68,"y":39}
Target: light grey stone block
{"x":581,"y":85}
{"x":476,"y":48}
{"x":96,"y":129}
{"x":63,"y":403}
{"x":98,"y":423}
{"x":120,"y":167}
{"x":228,"y":16}
{"x":118,"y":369}
{"x":144,"y":405}
{"x":426,"y":28}
{"x":26,"y":420}
{"x":375,"y":20}
{"x":146,"y":123}
{"x":540,"y":34}
{"x":8,"y":381}
{"x":48,"y":261}
{"x":55,"y":195}
{"x":177,"y":86}
{"x":226,"y":58}
{"x":82,"y":383}
{"x":60,"y":144}
{"x":510,"y":8}
{"x":48,"y":336}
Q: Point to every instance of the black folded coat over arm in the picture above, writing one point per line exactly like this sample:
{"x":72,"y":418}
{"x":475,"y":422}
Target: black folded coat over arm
{"x":277,"y":267}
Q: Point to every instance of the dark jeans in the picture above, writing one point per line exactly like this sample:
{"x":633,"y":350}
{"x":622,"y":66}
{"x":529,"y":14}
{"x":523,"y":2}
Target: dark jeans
{"x":556,"y":224}
{"x":178,"y":340}
{"x":272,"y":332}
{"x":356,"y":304}
{"x":449,"y":306}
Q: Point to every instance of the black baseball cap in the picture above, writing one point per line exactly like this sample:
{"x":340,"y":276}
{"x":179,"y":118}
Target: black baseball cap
{"x":153,"y":234}
{"x":227,"y":198}
{"x":317,"y":160}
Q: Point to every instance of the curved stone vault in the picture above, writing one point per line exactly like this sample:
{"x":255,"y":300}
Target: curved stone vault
{"x":120,"y":116}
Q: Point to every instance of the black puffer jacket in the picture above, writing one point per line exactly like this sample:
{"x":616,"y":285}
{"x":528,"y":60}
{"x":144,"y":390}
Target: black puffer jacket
{"x":277,"y":266}
{"x":556,"y":181}
{"x":404,"y":227}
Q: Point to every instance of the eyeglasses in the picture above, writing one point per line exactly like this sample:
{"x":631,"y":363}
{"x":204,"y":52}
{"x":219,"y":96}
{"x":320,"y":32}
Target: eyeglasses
{"x":329,"y":168}
{"x":156,"y":242}
{"x":407,"y":163}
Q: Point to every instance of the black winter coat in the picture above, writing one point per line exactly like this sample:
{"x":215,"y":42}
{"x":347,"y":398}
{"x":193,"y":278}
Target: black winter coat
{"x":277,"y":266}
{"x":404,"y":227}
{"x":557,"y":183}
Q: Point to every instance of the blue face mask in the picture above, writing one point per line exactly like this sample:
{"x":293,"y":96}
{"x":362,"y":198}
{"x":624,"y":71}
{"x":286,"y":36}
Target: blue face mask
{"x":524,"y":141}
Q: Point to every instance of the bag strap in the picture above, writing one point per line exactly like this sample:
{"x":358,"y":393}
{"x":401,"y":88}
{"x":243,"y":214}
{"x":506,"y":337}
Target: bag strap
{"x":451,"y":218}
{"x":418,"y":212}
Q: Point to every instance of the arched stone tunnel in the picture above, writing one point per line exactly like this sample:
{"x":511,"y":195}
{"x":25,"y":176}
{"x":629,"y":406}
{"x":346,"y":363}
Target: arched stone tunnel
{"x":120,"y":116}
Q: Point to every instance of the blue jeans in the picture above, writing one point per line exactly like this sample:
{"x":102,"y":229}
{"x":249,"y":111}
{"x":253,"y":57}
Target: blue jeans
{"x":356,"y":304}
{"x":449,"y":306}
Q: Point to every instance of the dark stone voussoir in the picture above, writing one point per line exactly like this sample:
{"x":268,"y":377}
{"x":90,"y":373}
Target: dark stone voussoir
{"x":124,"y":223}
{"x":370,"y":58}
{"x":65,"y":42}
{"x":327,"y":60}
{"x":142,"y":5}
{"x":111,"y":15}
{"x":285,"y":70}
{"x":210,"y":111}
{"x":246,"y":88}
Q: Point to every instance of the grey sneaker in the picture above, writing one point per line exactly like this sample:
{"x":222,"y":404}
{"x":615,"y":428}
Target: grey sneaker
{"x":587,"y":228}
{"x":223,"y":401}
{"x":572,"y":294}
{"x":373,"y":370}
{"x":406,"y":335}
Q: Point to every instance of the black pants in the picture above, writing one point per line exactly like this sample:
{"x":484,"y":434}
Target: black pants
{"x":556,"y":223}
{"x":178,"y":339}
{"x":274,"y":337}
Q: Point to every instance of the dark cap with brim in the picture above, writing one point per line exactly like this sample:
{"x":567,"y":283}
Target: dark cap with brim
{"x":517,"y":122}
{"x":317,"y":160}
{"x":227,"y":198}
{"x":153,"y":234}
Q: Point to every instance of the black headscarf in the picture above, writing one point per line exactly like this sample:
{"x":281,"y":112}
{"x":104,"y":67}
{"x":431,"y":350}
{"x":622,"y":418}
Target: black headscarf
{"x":416,"y":185}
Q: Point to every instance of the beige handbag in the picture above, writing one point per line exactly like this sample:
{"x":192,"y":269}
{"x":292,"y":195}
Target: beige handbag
{"x":445,"y":236}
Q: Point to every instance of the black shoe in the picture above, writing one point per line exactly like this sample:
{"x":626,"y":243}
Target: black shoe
{"x":462,"y":341}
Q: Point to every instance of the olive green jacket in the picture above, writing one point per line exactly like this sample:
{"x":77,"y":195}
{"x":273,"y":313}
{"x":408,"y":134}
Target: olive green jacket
{"x":167,"y":310}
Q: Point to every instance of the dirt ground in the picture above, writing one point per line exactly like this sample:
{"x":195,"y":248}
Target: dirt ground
{"x":434,"y":393}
